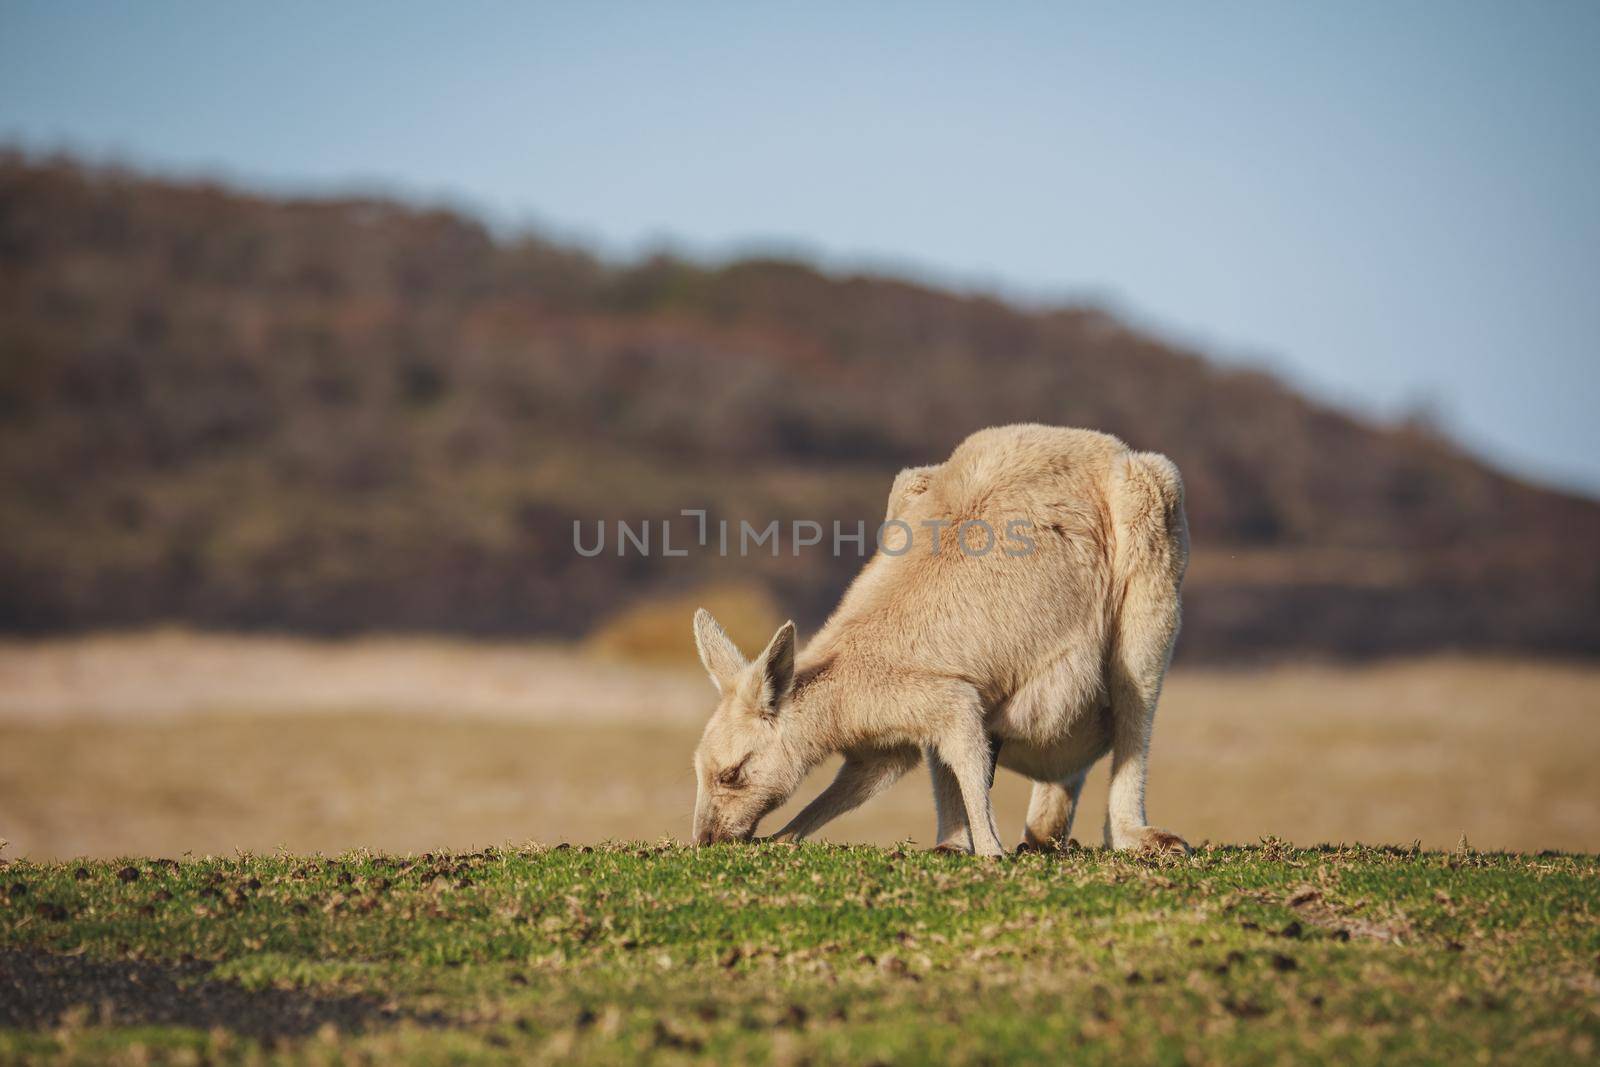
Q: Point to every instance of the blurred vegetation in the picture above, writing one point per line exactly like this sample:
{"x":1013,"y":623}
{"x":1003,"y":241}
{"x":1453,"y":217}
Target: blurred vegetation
{"x":341,"y":415}
{"x":656,"y":630}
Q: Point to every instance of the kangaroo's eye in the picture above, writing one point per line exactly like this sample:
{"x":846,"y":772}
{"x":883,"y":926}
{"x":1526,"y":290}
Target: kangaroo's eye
{"x":734,"y":775}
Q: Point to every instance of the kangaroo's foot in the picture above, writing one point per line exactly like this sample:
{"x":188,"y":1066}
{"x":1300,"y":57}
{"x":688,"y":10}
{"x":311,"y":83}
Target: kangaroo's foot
{"x":1152,"y":839}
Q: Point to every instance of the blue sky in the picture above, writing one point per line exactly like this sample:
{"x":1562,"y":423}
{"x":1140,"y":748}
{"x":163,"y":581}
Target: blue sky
{"x":1394,"y":205}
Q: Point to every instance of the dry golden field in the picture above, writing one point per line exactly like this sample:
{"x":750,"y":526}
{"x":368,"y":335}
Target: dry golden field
{"x":170,"y":742}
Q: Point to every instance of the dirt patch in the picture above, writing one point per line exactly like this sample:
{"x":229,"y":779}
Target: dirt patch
{"x":1313,"y":908}
{"x":39,"y":991}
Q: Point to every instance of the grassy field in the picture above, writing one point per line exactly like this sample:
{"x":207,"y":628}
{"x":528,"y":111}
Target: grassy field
{"x":818,"y":954}
{"x":191,"y":747}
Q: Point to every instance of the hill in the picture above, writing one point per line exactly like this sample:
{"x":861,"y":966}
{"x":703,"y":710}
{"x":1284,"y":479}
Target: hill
{"x":341,"y":415}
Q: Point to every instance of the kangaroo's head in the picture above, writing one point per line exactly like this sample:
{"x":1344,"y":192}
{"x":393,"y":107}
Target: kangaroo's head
{"x":745,"y":766}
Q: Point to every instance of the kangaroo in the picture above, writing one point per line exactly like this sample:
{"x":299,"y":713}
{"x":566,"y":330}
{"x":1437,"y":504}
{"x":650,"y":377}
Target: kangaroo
{"x":1041,"y":654}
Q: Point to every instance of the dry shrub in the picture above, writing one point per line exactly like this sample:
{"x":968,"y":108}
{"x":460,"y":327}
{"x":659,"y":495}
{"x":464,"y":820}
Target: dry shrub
{"x":659,"y":630}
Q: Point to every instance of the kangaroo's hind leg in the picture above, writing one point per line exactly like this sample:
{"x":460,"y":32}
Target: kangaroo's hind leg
{"x":1050,"y":812}
{"x":1135,"y":686}
{"x":954,"y":830}
{"x":1152,"y":555}
{"x":968,"y":750}
{"x":1059,"y":776}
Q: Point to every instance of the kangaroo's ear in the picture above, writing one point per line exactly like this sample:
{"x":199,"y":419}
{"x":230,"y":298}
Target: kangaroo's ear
{"x":774,"y":673}
{"x":718,"y":654}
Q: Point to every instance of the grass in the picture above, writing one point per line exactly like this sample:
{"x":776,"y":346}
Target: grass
{"x":819,"y":954}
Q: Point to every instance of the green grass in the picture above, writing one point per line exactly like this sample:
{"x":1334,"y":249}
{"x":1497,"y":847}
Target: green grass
{"x":818,"y":954}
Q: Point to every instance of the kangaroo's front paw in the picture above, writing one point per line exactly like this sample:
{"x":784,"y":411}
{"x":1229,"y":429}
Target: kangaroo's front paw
{"x":1162,"y":841}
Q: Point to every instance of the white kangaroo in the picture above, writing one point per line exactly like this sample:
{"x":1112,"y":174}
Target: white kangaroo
{"x":1045,"y":652}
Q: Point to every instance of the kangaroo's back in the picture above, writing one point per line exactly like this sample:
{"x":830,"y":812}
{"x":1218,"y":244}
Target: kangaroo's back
{"x":1025,"y":570}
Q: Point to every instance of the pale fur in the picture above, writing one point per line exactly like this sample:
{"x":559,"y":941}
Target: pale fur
{"x":1057,"y":656}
